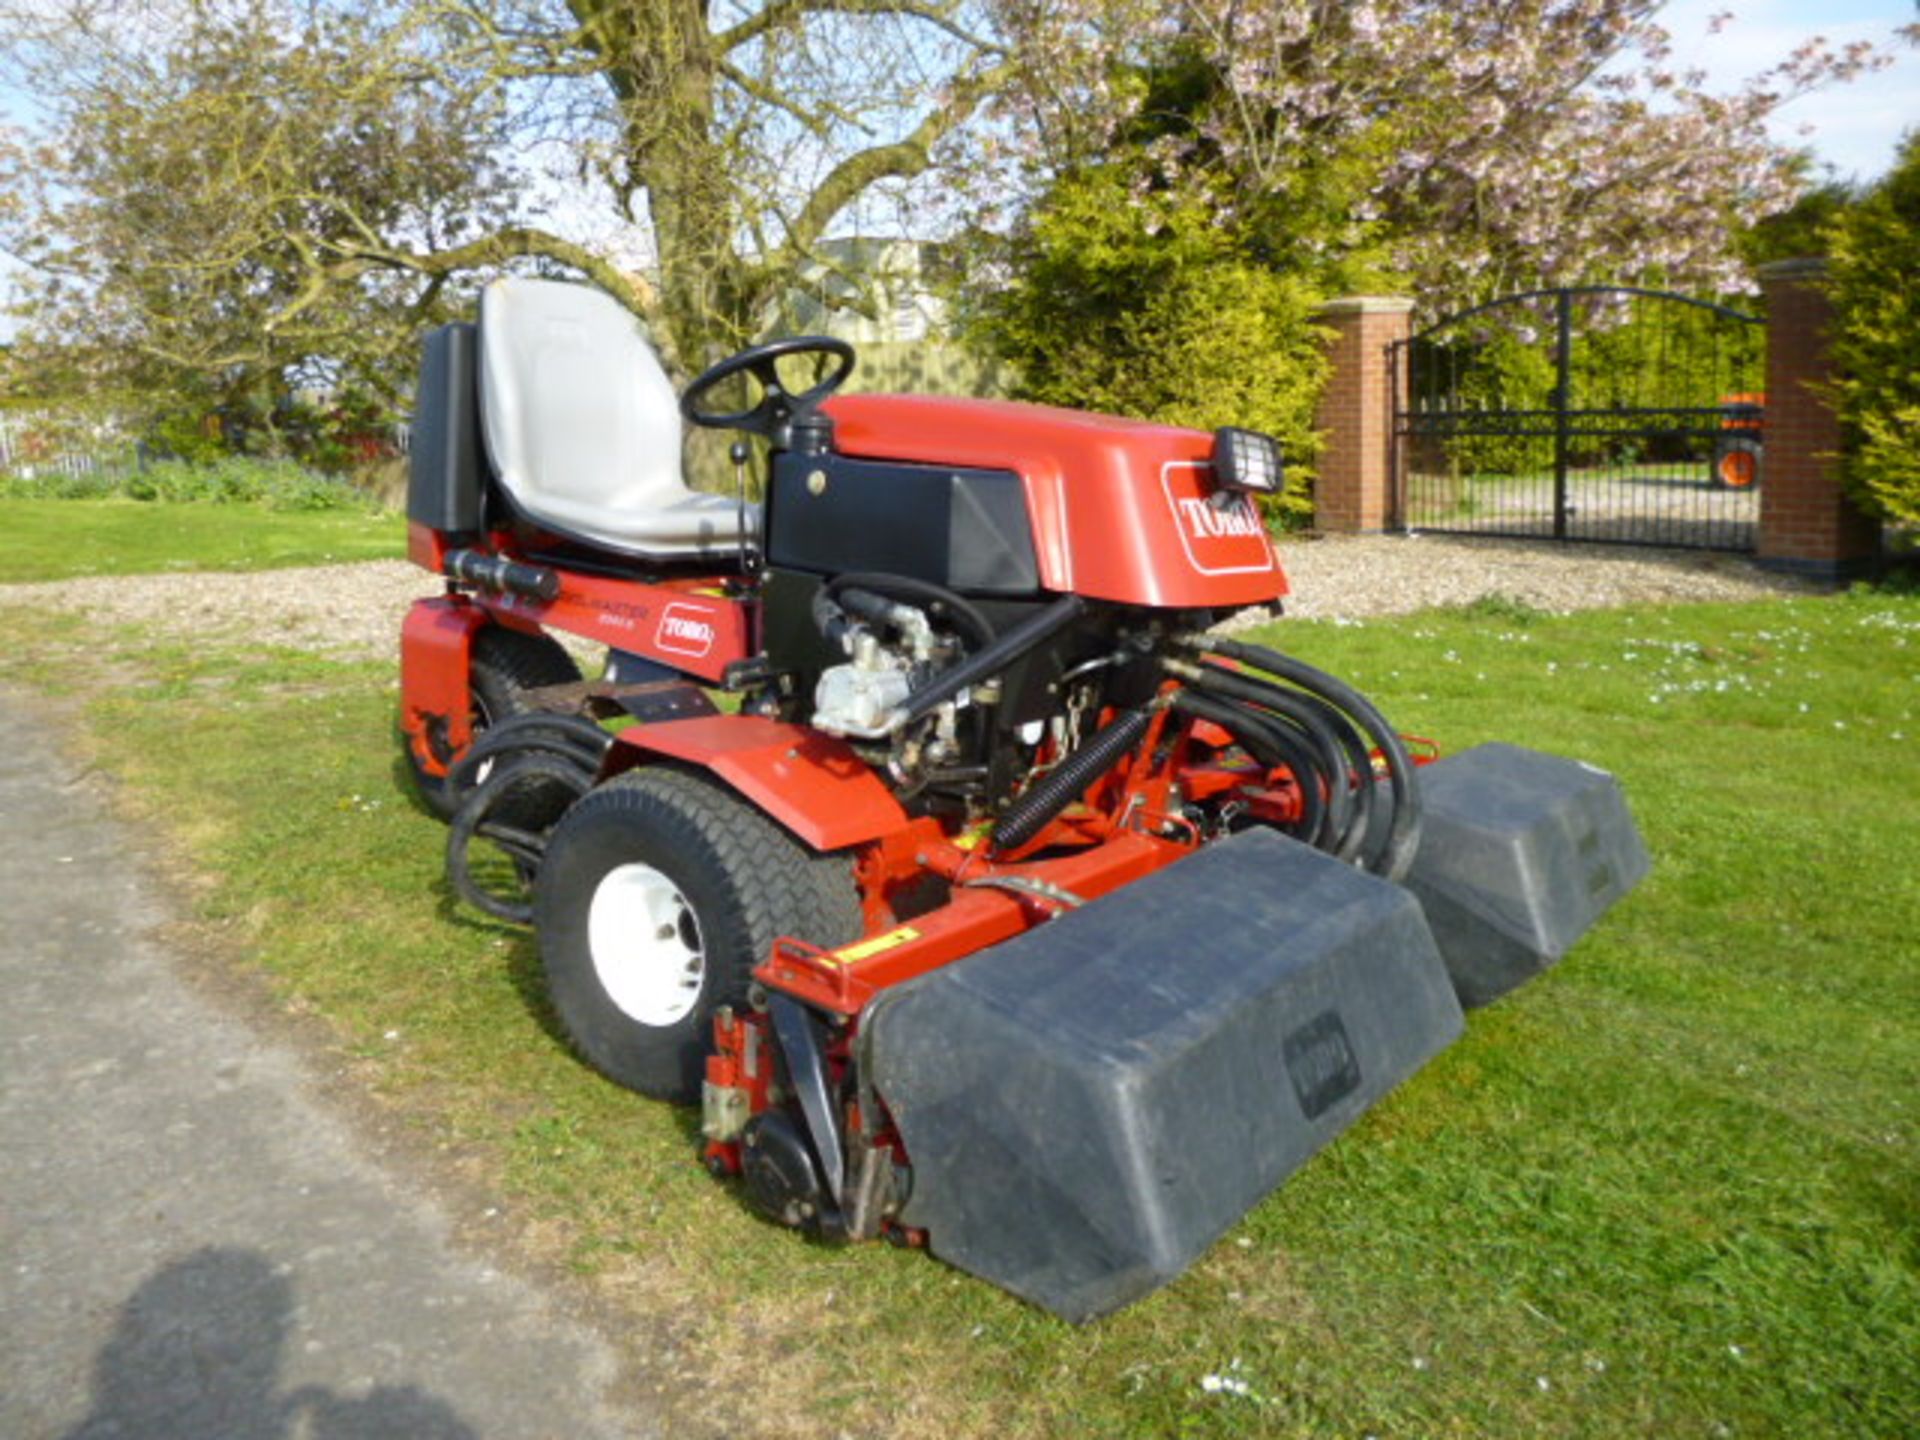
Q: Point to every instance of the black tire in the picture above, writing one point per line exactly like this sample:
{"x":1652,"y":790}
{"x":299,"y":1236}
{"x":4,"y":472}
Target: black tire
{"x":505,"y":664}
{"x":741,"y":879}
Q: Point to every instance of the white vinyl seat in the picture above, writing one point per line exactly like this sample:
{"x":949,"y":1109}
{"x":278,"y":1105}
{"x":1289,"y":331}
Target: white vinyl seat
{"x":583,"y":428}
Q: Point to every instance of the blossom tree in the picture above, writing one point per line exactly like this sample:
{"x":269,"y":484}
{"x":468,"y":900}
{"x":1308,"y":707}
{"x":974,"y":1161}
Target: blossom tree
{"x":1461,"y":148}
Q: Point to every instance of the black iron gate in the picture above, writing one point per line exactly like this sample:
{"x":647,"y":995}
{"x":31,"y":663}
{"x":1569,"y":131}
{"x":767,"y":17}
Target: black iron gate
{"x":1598,"y":413}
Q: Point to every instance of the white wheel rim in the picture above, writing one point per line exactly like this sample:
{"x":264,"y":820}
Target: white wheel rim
{"x":646,"y":945}
{"x":482,"y":722}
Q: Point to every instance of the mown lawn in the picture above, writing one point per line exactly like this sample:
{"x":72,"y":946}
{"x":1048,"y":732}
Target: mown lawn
{"x":59,"y":539}
{"x":1672,"y":1188}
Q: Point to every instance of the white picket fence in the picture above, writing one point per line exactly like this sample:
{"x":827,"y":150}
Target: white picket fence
{"x":79,"y":450}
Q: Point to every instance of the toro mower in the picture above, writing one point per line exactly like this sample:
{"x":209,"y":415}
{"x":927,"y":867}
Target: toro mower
{"x":1739,"y":446}
{"x":923,"y":827}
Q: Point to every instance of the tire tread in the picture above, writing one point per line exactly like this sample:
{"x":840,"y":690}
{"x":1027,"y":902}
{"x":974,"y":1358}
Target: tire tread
{"x":777,"y":887}
{"x":512,"y":661}
{"x":816,"y":890}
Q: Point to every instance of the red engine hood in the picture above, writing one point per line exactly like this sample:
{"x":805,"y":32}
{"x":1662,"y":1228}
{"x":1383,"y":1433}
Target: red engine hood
{"x":1122,"y":510}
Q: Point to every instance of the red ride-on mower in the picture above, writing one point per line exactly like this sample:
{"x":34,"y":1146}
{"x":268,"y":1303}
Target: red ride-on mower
{"x":1010,"y":909}
{"x":1740,"y":447}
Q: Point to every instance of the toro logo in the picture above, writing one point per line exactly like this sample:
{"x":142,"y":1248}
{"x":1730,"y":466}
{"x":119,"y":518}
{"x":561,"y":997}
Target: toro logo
{"x":684,"y":630}
{"x":1219,"y":537}
{"x":1205,"y":520}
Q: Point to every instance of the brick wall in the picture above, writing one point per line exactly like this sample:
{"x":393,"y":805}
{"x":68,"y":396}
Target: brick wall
{"x":1353,"y":491}
{"x":1807,"y":523}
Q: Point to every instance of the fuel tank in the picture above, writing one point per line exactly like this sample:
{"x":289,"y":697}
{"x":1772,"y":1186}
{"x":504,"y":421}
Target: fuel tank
{"x":1119,"y":510}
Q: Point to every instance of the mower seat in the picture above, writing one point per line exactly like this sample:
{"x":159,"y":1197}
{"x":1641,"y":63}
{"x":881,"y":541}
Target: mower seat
{"x":583,"y":429}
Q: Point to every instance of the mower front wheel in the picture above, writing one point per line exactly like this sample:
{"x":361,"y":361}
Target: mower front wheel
{"x":505,"y":665}
{"x":659,"y":893}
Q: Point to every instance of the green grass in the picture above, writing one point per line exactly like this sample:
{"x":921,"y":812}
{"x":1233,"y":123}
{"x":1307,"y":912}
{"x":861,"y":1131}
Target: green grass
{"x":58,"y":539}
{"x":1671,"y":1188}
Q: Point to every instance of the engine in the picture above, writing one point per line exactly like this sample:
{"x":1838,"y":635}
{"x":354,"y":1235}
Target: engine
{"x":955,"y":711}
{"x":890,"y":646}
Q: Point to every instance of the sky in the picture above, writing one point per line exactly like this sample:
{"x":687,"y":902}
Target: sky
{"x":1853,"y":129}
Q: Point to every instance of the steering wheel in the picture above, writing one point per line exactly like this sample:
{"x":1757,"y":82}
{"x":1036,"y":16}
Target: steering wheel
{"x":776,"y":409}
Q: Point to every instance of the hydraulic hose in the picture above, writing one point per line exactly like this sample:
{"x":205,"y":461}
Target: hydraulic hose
{"x":572,"y":738}
{"x":942,"y":602}
{"x":515,"y":782}
{"x":1336,"y":750}
{"x":541,"y":780}
{"x":1350,"y":772}
{"x":1395,"y":851}
{"x":1270,"y":746}
{"x":1029,"y":634}
{"x":1068,"y":781}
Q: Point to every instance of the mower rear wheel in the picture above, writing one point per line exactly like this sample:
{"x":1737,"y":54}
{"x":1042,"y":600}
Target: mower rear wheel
{"x":505,"y":664}
{"x":659,"y":893}
{"x":1736,"y":463}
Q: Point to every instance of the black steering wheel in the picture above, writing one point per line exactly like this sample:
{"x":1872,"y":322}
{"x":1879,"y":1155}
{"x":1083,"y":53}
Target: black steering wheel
{"x":776,"y":409}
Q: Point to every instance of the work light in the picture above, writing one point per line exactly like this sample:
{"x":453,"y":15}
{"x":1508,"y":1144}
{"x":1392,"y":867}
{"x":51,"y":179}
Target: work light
{"x":1246,"y":460}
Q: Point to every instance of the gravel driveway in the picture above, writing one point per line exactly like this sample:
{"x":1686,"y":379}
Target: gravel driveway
{"x":355,"y":610}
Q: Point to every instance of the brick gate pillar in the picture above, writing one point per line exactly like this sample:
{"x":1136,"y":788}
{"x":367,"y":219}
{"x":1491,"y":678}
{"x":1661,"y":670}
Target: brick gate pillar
{"x":1354,"y":490}
{"x":1807,"y":522}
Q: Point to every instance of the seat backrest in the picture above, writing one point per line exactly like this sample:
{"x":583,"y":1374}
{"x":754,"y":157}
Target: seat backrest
{"x":576,"y":410}
{"x":446,"y":462}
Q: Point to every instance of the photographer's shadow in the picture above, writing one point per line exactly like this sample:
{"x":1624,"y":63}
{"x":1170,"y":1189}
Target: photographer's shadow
{"x":197,"y":1353}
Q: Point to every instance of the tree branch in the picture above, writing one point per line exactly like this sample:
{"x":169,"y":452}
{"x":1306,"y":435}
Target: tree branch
{"x":766,"y":95}
{"x":901,"y":160}
{"x":780,"y":12}
{"x":512,"y":243}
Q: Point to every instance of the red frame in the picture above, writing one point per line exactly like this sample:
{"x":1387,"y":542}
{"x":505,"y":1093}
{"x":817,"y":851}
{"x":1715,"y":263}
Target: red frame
{"x":810,"y":782}
{"x":436,"y":644}
{"x":692,"y":625}
{"x":1124,"y":827}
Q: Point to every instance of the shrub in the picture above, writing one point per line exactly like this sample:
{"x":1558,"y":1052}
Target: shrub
{"x":1875,"y":248}
{"x":1150,"y":308}
{"x":276,"y":484}
{"x":86,"y":485}
{"x":231,"y":480}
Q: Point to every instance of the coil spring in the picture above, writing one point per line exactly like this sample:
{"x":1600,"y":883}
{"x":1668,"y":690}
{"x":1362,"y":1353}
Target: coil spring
{"x":1068,"y":780}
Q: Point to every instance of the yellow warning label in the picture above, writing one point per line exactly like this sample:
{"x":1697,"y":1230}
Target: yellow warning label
{"x":867,"y":949}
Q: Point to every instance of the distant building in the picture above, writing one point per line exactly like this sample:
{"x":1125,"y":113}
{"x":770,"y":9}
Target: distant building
{"x":870,"y":291}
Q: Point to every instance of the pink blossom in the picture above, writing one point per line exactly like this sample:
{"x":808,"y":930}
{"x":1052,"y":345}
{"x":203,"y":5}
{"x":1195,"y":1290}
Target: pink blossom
{"x":1468,"y":151}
